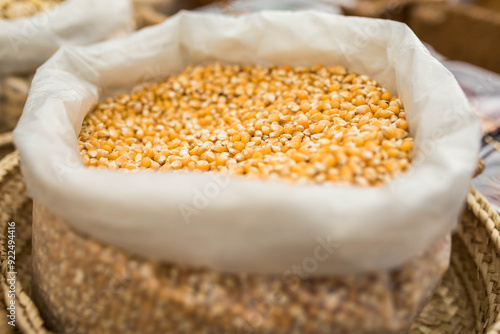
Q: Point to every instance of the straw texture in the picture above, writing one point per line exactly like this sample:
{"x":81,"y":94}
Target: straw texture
{"x":13,"y":94}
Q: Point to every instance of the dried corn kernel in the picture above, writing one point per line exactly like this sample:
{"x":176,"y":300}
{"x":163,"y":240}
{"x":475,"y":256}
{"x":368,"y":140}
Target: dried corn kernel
{"x":317,"y":124}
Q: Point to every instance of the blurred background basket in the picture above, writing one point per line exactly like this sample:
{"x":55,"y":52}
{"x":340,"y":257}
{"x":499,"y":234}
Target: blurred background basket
{"x":13,"y":94}
{"x":151,"y":12}
{"x":14,"y":88}
{"x":467,"y":301}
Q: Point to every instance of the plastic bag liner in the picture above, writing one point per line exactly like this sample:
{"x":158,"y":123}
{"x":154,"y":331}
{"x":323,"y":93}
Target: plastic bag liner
{"x":26,"y":43}
{"x":235,"y":224}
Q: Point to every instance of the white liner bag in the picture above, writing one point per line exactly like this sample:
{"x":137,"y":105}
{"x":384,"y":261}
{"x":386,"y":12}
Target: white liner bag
{"x":239,"y":225}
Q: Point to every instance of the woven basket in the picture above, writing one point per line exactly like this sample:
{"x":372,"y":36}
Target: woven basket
{"x":150,"y":12}
{"x":13,"y":94}
{"x":14,"y":88}
{"x":465,"y":302}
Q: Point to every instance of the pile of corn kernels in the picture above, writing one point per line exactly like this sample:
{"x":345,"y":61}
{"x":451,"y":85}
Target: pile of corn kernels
{"x":309,"y":124}
{"x":13,"y":9}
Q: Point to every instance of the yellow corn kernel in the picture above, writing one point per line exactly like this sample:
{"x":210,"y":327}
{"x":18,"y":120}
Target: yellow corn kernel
{"x":303,"y":121}
{"x":402,"y":124}
{"x":202,"y":165}
{"x":239,"y":145}
{"x":406,"y":146}
{"x":145,"y":162}
{"x":386,"y":96}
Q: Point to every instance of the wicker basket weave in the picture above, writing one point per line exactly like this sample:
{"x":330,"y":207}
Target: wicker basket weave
{"x":13,"y":94}
{"x":467,"y":301}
